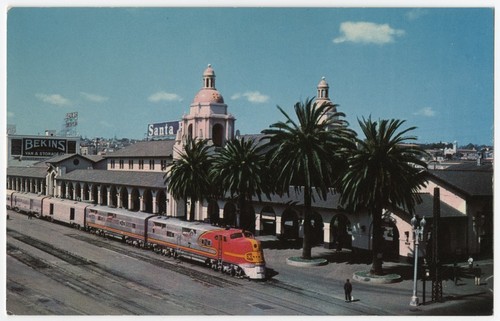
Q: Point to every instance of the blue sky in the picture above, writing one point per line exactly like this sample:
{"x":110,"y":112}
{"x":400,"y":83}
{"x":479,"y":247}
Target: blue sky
{"x":123,"y":68}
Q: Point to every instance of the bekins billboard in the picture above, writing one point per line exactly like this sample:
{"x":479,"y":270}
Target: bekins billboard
{"x":44,"y":146}
{"x":163,"y":129}
{"x":31,"y":146}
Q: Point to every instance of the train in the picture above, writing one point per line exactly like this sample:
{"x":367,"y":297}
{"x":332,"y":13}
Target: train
{"x":230,"y":250}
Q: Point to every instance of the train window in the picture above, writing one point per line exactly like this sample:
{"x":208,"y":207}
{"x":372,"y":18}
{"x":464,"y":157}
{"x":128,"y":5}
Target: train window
{"x":51,"y":209}
{"x":236,"y":236}
{"x":160,"y":225}
{"x":248,"y":234}
{"x":71,"y":213}
{"x":206,"y":242}
{"x":170,"y":234}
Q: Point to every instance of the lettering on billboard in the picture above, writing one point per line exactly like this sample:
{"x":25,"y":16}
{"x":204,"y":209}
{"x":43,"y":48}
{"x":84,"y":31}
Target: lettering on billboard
{"x":43,"y":146}
{"x":163,"y":129}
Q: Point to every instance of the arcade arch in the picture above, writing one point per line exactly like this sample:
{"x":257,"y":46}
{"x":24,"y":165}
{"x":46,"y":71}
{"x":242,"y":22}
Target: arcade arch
{"x":317,"y":229}
{"x":290,"y":224}
{"x":390,"y":240}
{"x":247,"y":218}
{"x":267,"y":221}
{"x":123,"y":196}
{"x":161,"y":202}
{"x":113,"y":196}
{"x":213,"y":212}
{"x":147,"y":201}
{"x":135,"y":201}
{"x":77,"y":192}
{"x":340,"y":232}
{"x":229,"y":214}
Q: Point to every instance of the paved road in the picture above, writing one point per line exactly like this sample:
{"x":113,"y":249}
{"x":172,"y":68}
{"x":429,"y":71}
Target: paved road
{"x":55,"y":270}
{"x":462,"y":299}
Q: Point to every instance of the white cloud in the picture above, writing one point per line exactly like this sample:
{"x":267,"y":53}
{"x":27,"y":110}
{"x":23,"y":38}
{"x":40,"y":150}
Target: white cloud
{"x":426,"y":112}
{"x":54,"y":99}
{"x":251,"y":96}
{"x":367,"y":33}
{"x":416,"y":13}
{"x":93,"y":97}
{"x":164,"y":96}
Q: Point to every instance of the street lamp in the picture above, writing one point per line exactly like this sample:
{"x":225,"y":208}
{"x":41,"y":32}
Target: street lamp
{"x":418,"y":230}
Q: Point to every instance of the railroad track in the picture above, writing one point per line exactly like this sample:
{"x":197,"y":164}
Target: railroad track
{"x":68,"y":277}
{"x":269,"y":296}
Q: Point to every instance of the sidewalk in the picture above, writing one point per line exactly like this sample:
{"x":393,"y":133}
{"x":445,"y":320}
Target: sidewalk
{"x":392,"y":298}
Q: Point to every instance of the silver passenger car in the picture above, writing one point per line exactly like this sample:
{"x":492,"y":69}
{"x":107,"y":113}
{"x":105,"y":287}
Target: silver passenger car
{"x":117,"y":222}
{"x":26,"y":202}
{"x":65,"y":211}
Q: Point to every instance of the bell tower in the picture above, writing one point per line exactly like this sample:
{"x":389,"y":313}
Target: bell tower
{"x":323,"y":98}
{"x":208,"y":117}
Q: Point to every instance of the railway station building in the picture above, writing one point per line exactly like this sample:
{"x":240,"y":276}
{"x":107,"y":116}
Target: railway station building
{"x":133,"y":178}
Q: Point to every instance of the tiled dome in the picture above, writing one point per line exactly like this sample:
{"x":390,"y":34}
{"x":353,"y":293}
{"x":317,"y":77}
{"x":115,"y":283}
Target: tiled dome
{"x":208,"y":95}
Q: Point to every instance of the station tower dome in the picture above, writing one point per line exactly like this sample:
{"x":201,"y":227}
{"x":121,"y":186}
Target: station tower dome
{"x":323,"y":98}
{"x":208,"y":117}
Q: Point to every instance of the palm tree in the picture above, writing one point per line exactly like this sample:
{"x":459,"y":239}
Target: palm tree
{"x":304,"y":154}
{"x":188,"y":177}
{"x":237,"y":169}
{"x":383,"y":172}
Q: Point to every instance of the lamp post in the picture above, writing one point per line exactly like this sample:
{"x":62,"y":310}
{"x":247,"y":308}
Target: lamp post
{"x":418,"y":230}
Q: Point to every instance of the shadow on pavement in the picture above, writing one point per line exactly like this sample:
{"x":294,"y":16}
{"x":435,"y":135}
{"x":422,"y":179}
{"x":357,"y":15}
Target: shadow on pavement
{"x":281,"y":245}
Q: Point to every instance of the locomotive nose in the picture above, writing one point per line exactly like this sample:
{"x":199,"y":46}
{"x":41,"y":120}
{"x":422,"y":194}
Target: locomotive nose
{"x":256,"y":255}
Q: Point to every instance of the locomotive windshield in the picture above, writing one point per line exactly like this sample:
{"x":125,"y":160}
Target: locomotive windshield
{"x":241,"y":234}
{"x":236,"y":235}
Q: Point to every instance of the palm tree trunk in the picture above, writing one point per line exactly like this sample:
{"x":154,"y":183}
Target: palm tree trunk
{"x":240,"y":212}
{"x":377,"y":251}
{"x":192,"y":209}
{"x":306,"y":244}
{"x":186,"y":217}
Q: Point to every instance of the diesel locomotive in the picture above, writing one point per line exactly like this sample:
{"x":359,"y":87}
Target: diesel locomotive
{"x":230,"y":250}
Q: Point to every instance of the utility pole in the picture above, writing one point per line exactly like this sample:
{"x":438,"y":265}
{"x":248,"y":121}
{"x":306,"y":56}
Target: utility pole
{"x":437,"y":282}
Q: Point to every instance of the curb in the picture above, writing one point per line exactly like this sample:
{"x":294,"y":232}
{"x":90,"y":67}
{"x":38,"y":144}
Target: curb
{"x":366,"y":277}
{"x":300,"y":262}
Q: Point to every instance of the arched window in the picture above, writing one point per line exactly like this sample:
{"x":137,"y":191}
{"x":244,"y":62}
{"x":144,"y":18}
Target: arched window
{"x":218,"y":135}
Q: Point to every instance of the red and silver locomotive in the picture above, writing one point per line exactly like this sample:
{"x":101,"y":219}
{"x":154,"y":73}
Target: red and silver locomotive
{"x":230,"y":250}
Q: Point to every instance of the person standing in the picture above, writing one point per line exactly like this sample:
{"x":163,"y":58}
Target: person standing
{"x":471,"y":263}
{"x":477,"y":275}
{"x":456,"y":273}
{"x":348,"y":290}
